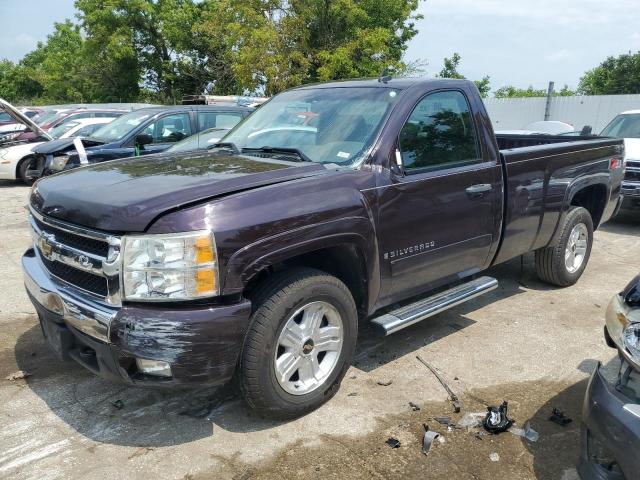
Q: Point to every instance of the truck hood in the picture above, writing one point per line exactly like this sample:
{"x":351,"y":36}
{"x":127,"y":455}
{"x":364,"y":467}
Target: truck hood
{"x":22,"y":119}
{"x":632,"y":148}
{"x":128,"y":195}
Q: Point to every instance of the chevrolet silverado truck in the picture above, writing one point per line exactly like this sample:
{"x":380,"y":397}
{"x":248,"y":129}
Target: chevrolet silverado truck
{"x":258,"y":258}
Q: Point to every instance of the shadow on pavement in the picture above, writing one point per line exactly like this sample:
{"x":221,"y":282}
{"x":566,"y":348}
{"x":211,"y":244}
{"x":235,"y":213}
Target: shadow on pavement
{"x":116,"y":414}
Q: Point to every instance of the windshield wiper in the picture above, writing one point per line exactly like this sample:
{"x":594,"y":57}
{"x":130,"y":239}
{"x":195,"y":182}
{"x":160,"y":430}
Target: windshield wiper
{"x":267,"y":149}
{"x":230,"y":145}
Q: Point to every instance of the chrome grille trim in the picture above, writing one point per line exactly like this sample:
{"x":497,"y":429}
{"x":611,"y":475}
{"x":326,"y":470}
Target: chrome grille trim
{"x":106,"y":267}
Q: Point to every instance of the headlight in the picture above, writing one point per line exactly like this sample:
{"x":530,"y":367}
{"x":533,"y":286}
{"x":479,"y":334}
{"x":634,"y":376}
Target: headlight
{"x":173,"y":266}
{"x":631,"y":339}
{"x":58,"y":163}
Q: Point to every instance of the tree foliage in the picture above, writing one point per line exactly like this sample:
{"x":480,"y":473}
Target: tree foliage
{"x":513,"y":92}
{"x":159,"y":50}
{"x":614,"y":76}
{"x":450,"y":70}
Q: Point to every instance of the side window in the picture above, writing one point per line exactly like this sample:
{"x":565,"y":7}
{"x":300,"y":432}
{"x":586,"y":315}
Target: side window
{"x":439,"y":134}
{"x":217,"y":120}
{"x":170,"y":129}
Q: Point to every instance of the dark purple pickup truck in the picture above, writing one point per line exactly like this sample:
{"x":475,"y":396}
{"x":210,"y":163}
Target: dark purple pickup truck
{"x":334,"y":204}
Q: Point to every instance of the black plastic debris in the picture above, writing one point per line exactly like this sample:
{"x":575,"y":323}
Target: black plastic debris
{"x":497,"y":420}
{"x":443,"y":420}
{"x":560,"y":418}
{"x":393,"y":442}
{"x":118,"y":404}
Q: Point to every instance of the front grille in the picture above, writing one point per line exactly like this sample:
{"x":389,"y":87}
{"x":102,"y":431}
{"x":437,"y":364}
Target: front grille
{"x":86,"y":244}
{"x":632,"y":175}
{"x":84,"y":280}
{"x":78,"y":257}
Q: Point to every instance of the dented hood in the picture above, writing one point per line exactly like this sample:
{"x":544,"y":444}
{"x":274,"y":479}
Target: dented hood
{"x":23,"y":119}
{"x":127,"y":195}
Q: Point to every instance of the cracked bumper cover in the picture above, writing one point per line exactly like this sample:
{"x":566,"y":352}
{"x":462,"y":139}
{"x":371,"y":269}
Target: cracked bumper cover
{"x":200,"y":342}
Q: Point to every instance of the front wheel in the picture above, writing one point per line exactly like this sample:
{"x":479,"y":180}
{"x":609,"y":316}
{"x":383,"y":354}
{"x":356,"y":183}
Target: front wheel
{"x":22,"y":171}
{"x":564,"y":263}
{"x":299,"y":345}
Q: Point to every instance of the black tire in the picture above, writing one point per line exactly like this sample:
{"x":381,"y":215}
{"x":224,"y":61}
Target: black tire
{"x":550,"y":261}
{"x":23,"y":166}
{"x":274,"y":303}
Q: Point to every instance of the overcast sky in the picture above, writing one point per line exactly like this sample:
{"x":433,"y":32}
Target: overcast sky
{"x":517,"y":42}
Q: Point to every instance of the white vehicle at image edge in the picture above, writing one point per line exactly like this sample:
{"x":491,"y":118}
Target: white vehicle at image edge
{"x":11,"y":156}
{"x":626,"y":126}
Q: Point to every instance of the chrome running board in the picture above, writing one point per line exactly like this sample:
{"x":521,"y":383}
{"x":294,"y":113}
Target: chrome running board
{"x":427,"y":307}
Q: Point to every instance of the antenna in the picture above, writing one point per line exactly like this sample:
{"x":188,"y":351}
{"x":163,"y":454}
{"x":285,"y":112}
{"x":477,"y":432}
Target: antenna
{"x":386,"y":74}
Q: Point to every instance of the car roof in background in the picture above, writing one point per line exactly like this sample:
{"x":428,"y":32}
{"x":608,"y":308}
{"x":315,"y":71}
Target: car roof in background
{"x":186,"y":108}
{"x":630,"y":112}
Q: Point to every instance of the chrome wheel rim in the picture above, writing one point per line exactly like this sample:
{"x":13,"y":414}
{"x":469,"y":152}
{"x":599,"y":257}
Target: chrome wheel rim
{"x":576,"y":248}
{"x":308,"y":348}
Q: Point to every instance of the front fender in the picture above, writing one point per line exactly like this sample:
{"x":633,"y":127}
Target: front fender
{"x":255,"y":257}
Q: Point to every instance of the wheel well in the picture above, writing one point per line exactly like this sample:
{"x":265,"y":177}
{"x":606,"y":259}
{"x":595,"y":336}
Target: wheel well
{"x":594,"y":199}
{"x":345,"y":262}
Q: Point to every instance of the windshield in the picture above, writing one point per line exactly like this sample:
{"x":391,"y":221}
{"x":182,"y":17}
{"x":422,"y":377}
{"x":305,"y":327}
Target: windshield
{"x":326,"y":125}
{"x":623,"y":126}
{"x":199,"y":140}
{"x":60,"y":130}
{"x":120,"y":127}
{"x":45,"y":117}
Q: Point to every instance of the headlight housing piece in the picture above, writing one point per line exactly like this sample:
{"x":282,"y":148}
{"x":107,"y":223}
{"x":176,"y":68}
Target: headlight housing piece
{"x":181,"y":266}
{"x":59,"y":162}
{"x":631,"y":339}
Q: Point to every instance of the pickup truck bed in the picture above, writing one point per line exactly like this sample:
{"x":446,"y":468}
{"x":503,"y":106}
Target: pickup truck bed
{"x":376,"y":201}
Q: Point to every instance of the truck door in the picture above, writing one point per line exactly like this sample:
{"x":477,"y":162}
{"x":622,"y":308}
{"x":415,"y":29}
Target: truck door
{"x":440,"y":216}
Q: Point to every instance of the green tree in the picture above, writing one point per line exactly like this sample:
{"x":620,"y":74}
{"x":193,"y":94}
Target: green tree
{"x":7,"y":80}
{"x":614,"y":76}
{"x":148,"y":41}
{"x":510,"y":91}
{"x":271,"y":45}
{"x":450,"y":70}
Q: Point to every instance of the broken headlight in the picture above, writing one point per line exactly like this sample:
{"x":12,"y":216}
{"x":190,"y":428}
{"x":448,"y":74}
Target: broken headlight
{"x":179,"y":266}
{"x":58,"y":163}
{"x":631,"y":339}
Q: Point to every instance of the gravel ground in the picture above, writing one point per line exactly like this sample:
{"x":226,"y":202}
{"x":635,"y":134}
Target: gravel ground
{"x":526,"y":342}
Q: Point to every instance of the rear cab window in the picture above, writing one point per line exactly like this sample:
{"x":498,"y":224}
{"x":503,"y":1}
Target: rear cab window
{"x":439,"y":134}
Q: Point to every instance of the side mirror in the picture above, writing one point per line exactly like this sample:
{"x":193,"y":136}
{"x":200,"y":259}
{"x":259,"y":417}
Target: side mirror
{"x":586,"y":130}
{"x":143,"y":139}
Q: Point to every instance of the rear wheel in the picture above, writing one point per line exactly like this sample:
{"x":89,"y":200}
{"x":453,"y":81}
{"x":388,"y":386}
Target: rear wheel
{"x":564,"y":263}
{"x":299,"y":345}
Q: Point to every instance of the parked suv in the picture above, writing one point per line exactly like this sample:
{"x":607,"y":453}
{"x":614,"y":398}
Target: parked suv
{"x":141,"y":132}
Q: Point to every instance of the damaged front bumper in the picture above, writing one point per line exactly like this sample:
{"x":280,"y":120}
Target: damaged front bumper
{"x":201,"y":343}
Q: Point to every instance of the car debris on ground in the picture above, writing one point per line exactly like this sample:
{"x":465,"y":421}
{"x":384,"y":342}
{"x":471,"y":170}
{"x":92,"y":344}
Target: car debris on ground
{"x":496,"y":420}
{"x":428,"y":438}
{"x":455,"y":402}
{"x":558,"y":416}
{"x":20,"y":374}
{"x":393,"y":442}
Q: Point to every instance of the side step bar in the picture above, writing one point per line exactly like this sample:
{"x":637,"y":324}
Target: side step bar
{"x":427,"y":307}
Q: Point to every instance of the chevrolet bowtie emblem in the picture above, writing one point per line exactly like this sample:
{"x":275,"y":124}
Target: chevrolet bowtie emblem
{"x":45,"y":247}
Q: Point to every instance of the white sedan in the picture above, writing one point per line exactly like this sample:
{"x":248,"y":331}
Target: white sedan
{"x":14,"y":158}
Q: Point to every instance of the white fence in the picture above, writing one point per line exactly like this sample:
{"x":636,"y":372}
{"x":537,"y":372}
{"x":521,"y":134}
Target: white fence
{"x":597,"y":110}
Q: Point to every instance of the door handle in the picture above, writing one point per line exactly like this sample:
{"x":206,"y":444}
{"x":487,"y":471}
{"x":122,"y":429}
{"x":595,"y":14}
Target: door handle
{"x":479,"y":189}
